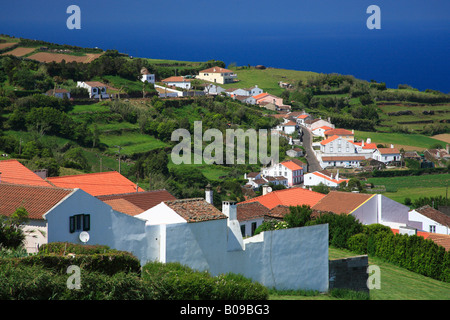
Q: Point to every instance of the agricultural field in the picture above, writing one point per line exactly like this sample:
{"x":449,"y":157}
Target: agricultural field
{"x":20,"y":51}
{"x":413,"y":187}
{"x":58,"y":57}
{"x":267,"y":79}
{"x":408,"y":142}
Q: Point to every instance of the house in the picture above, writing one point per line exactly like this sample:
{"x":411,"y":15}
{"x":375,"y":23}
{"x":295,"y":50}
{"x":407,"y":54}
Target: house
{"x":147,"y":76}
{"x":95,"y":89}
{"x":244,"y":99}
{"x":196,"y":234}
{"x":97,"y":184}
{"x":135,"y":203}
{"x":276,"y":180}
{"x":437,"y":154}
{"x":412,"y":155}
{"x":317,"y":123}
{"x":343,"y":133}
{"x":265,"y":98}
{"x":295,"y":152}
{"x":341,"y":161}
{"x":250,"y":216}
{"x":320,"y":131}
{"x":366,"y":147}
{"x":58,"y":93}
{"x":256,"y":180}
{"x":165,"y":92}
{"x":177,"y":81}
{"x":213,"y":89}
{"x":36,"y":200}
{"x":324,"y":177}
{"x":236,"y":92}
{"x":254,"y":91}
{"x":287,"y":127}
{"x":302,"y":118}
{"x":217,"y":75}
{"x":289,"y":169}
{"x":287,"y":197}
{"x":432,"y":220}
{"x":387,"y":155}
{"x":367,"y":208}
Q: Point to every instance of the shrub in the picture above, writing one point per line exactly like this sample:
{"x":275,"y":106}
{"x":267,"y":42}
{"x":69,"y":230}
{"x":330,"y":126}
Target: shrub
{"x":358,"y":243}
{"x":174,"y":281}
{"x":63,"y":248}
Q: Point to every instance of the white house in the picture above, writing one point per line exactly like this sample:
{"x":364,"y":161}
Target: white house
{"x":245,"y":99}
{"x":213,"y":89}
{"x":317,"y":123}
{"x":323,"y":177}
{"x":194,"y":233}
{"x":236,"y":92}
{"x":147,"y":76}
{"x":341,"y":161}
{"x":432,"y":220}
{"x":289,"y":169}
{"x":217,"y":75}
{"x":96,"y":89}
{"x":179,"y":82}
{"x":254,"y":91}
{"x":287,"y":127}
{"x":302,"y":118}
{"x":58,"y":93}
{"x":320,"y":131}
{"x":387,"y":155}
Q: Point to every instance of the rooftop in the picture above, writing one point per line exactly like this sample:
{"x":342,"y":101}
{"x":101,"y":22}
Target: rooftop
{"x":136,"y":202}
{"x":195,"y":210}
{"x":339,"y":132}
{"x":216,"y":70}
{"x":37,"y":200}
{"x":434,"y":214}
{"x":12,"y":171}
{"x":341,"y":202}
{"x":288,"y":197}
{"x":388,"y":150}
{"x":97,"y":184}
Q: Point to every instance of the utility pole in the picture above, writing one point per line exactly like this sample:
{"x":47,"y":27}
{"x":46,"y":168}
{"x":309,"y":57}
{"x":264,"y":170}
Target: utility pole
{"x":120,"y":148}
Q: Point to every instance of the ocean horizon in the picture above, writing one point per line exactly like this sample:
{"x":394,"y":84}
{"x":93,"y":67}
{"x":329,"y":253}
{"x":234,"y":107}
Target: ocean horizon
{"x":396,"y":54}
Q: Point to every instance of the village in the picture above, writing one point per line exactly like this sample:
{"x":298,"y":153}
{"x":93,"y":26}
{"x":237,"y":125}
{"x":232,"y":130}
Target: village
{"x":106,"y":208}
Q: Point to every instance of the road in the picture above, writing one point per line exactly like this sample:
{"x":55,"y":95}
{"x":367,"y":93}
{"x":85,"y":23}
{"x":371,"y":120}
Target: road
{"x":313,"y":163}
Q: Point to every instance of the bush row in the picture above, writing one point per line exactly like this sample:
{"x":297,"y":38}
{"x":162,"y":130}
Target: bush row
{"x":413,"y":253}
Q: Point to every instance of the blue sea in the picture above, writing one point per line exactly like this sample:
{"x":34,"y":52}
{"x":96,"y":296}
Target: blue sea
{"x":417,"y":55}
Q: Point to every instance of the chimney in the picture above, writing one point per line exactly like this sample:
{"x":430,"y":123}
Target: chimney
{"x":209,"y":194}
{"x":337,"y":175}
{"x":229,"y":209}
{"x":265,"y":189}
{"x":447,"y":147}
{"x":392,"y":146}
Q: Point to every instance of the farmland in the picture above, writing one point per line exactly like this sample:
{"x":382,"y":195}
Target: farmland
{"x":58,"y":57}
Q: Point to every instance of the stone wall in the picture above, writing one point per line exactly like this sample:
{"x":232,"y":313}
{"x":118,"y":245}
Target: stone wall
{"x":350,"y":273}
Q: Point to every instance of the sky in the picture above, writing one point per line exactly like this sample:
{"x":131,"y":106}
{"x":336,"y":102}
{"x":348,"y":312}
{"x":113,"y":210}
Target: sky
{"x":252,"y":31}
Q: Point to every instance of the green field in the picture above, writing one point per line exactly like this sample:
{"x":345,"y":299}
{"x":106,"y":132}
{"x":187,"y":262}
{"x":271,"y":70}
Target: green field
{"x":131,"y":142}
{"x":396,"y":283}
{"x":267,"y":79}
{"x":399,"y":140}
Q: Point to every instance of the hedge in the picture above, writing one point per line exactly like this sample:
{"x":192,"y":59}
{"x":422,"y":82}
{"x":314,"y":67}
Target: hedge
{"x":63,"y":248}
{"x":173,"y":281}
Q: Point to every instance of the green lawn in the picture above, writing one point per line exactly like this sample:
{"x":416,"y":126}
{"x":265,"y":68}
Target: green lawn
{"x":131,"y":142}
{"x":396,"y":283}
{"x":407,"y":141}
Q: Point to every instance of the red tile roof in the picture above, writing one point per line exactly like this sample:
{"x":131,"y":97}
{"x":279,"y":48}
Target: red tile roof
{"x":261,"y":95}
{"x":288,"y":197}
{"x":319,"y":174}
{"x":434,"y":215}
{"x":37,"y":200}
{"x":388,"y":151}
{"x":136,"y":202}
{"x":12,"y":171}
{"x":339,"y":132}
{"x":341,"y":202}
{"x":97,"y":184}
{"x":176,"y":79}
{"x":195,"y":210}
{"x":216,"y":70}
{"x":250,"y":211}
{"x":326,"y":141}
{"x":291,"y":165}
{"x":366,"y":145}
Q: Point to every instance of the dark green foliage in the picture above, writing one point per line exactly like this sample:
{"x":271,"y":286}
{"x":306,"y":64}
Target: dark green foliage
{"x":11,"y":234}
{"x":298,"y":216}
{"x":173,"y":281}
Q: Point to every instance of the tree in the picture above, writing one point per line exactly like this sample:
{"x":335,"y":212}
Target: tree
{"x":298,"y":216}
{"x":11,"y":234}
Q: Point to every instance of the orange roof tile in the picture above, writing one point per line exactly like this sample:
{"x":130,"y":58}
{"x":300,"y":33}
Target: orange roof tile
{"x":195,"y":210}
{"x":341,"y":202}
{"x":319,"y":174}
{"x":131,"y":203}
{"x":12,"y":171}
{"x":291,"y":165}
{"x":388,"y":150}
{"x":216,"y":70}
{"x":303,"y":116}
{"x":326,"y":141}
{"x":288,"y":197}
{"x":96,"y":184}
{"x":339,"y":132}
{"x":261,"y":95}
{"x":37,"y":200}
{"x":175,"y":79}
{"x":323,"y":127}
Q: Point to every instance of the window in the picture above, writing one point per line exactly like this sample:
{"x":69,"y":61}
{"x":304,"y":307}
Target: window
{"x":79,"y":222}
{"x":253,"y":227}
{"x":243,"y":230}
{"x":433,"y":229}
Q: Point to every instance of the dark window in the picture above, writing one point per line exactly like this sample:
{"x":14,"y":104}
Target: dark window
{"x":243,"y":230}
{"x":253,"y":227}
{"x":79,"y":222}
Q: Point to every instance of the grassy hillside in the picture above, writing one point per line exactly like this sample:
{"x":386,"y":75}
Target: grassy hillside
{"x":416,"y":142}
